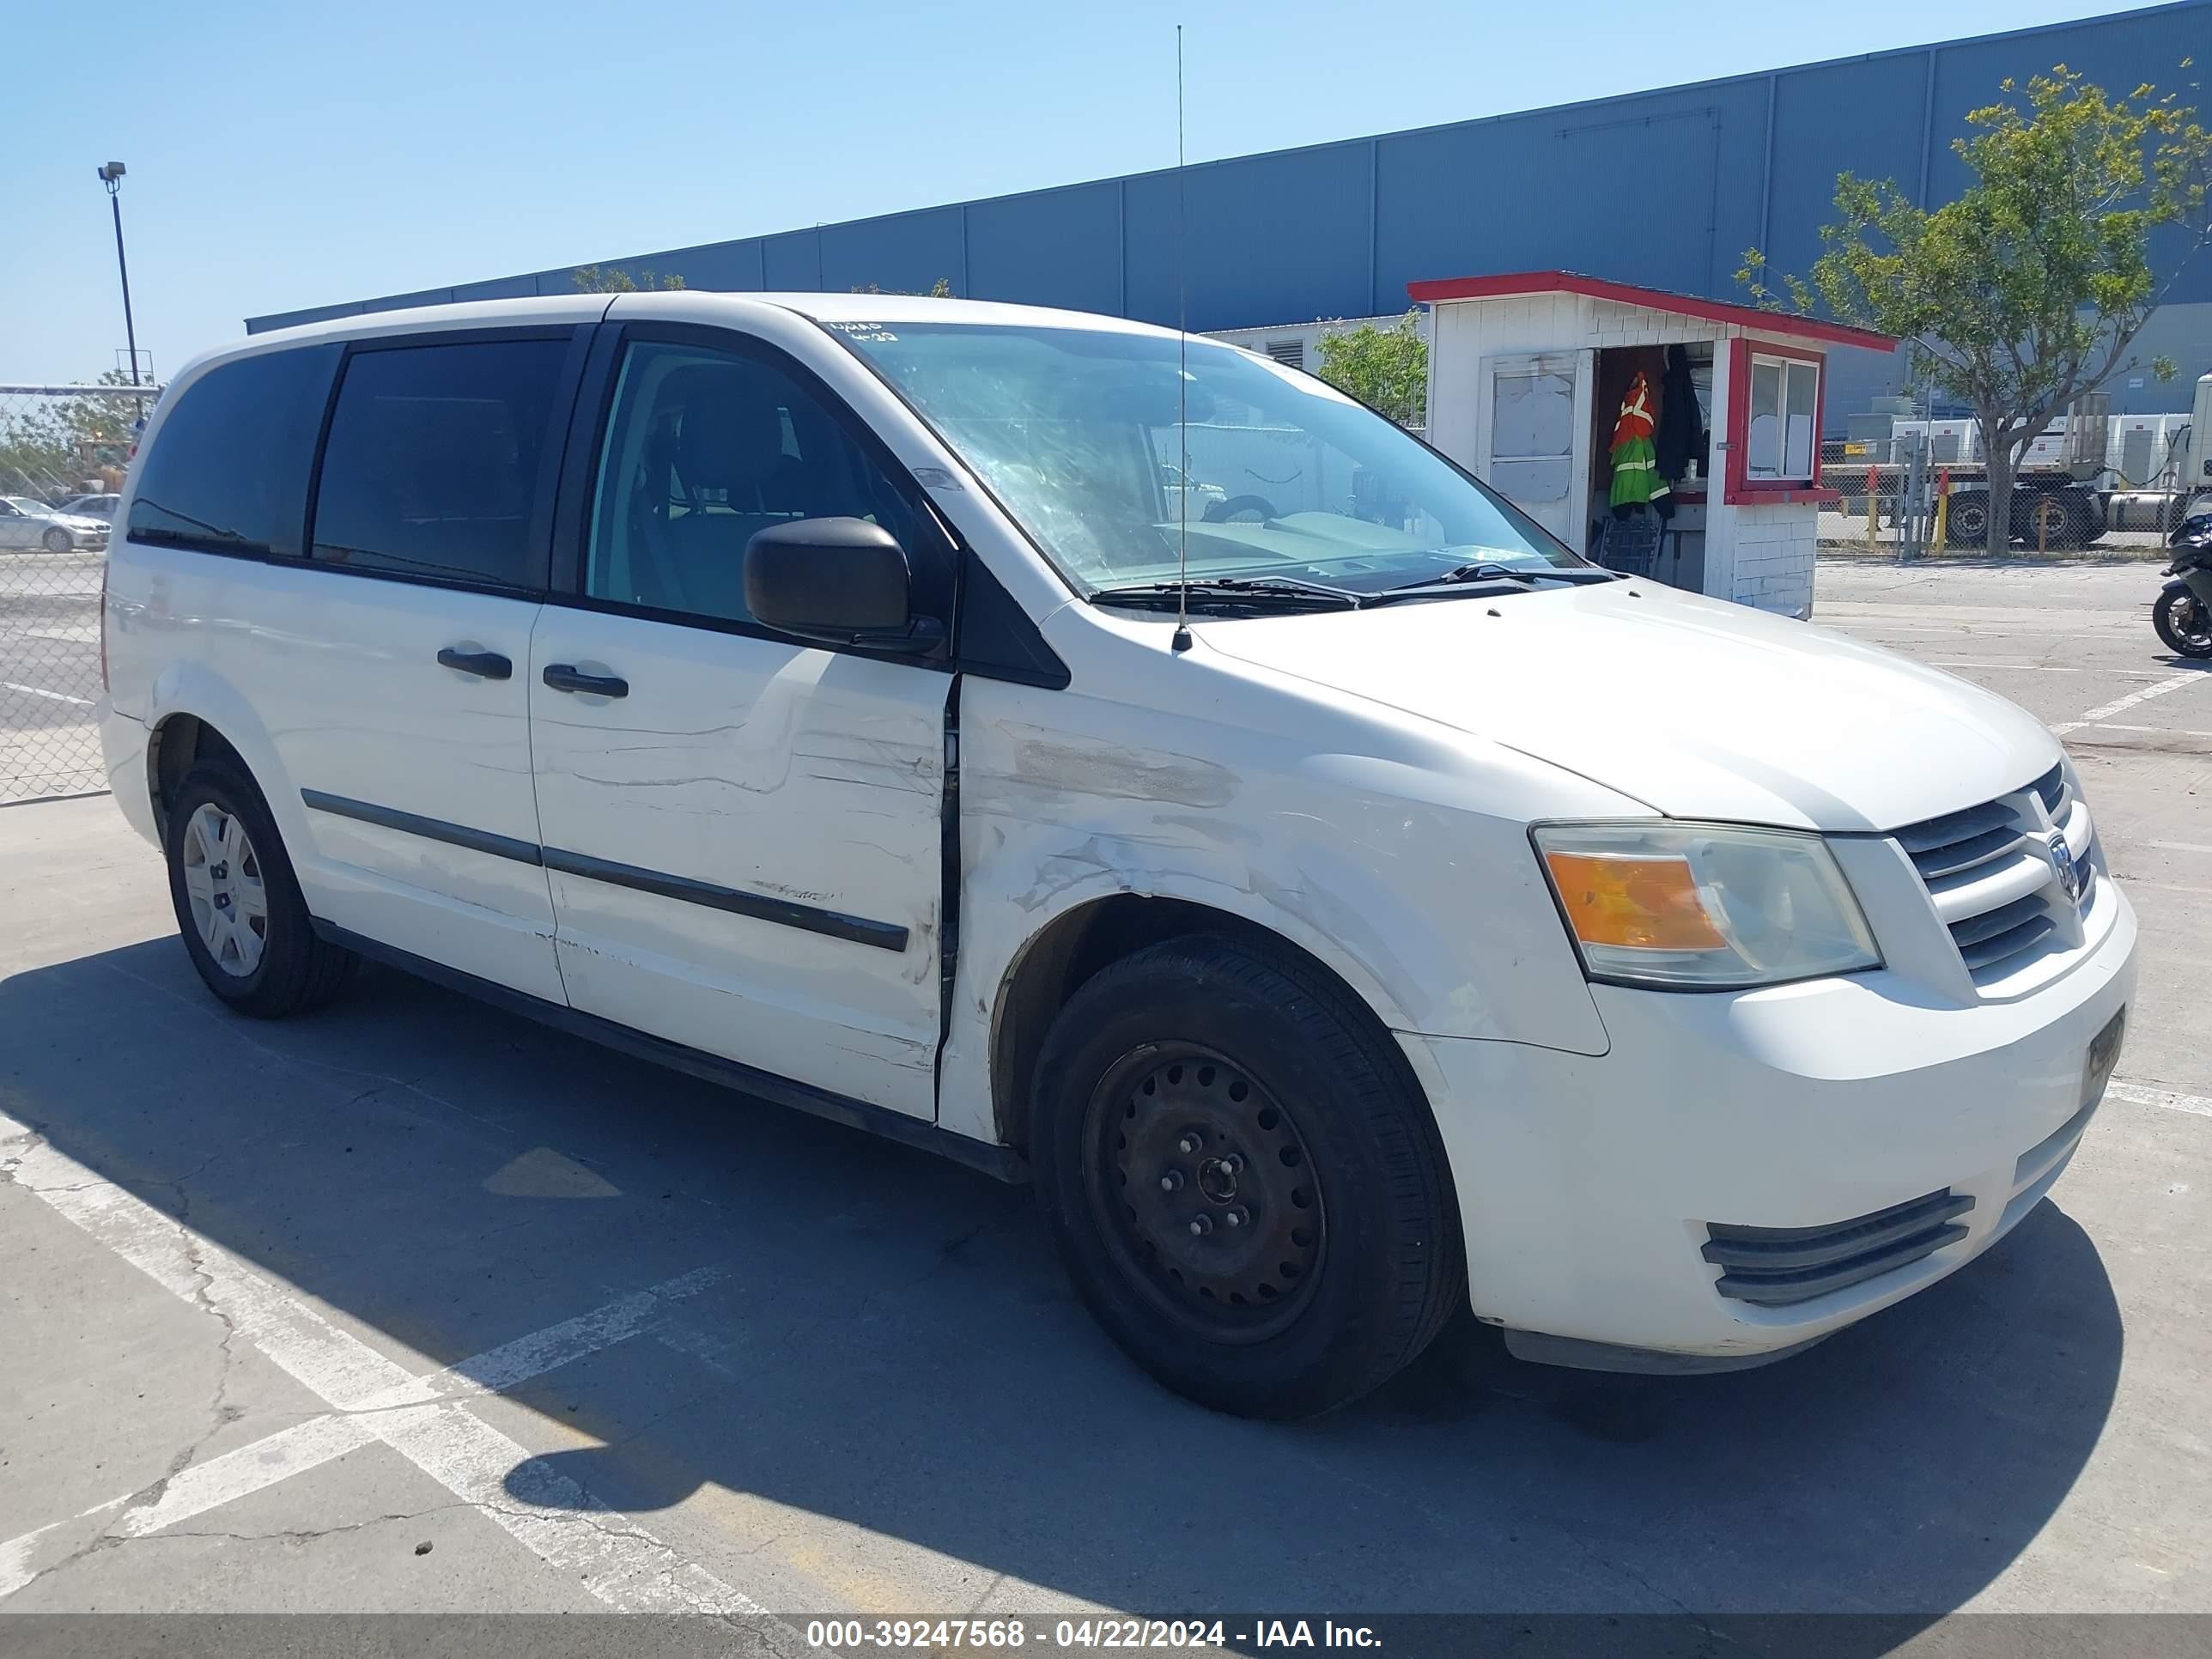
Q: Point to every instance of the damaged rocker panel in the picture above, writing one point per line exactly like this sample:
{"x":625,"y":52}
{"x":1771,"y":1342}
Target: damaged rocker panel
{"x":1001,"y":1162}
{"x":813,"y":919}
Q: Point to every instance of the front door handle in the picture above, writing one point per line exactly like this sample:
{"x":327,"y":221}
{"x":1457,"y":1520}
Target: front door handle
{"x":566,"y":676}
{"x":485,"y":665}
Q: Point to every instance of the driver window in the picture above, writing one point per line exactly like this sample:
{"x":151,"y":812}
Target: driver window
{"x":705,"y":449}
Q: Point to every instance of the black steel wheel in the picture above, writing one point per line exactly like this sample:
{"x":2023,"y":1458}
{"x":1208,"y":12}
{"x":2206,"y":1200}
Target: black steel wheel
{"x":1966,"y":521}
{"x":1203,"y":1190}
{"x":1243,"y":1178}
{"x":2183,"y":623}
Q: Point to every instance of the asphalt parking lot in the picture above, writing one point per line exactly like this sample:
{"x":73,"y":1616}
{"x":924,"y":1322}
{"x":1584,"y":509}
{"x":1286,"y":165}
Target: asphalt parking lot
{"x":413,"y":1305}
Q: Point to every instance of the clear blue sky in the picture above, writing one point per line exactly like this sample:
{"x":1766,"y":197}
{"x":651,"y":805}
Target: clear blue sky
{"x":285,"y":154}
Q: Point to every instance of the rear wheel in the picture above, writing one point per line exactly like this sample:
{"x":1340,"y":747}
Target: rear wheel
{"x":2181,"y":620}
{"x":238,"y":903}
{"x":2051,"y":520}
{"x":1242,"y":1179}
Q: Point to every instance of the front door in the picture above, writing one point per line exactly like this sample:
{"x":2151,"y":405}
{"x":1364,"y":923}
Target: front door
{"x":1533,"y":410}
{"x":743,"y":831}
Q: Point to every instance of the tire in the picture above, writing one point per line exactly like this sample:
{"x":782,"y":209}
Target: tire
{"x":2182,"y":622}
{"x":1262,"y":1090}
{"x":1967,"y":522}
{"x":261,"y":956}
{"x":2029,"y":507}
{"x":56,"y":541}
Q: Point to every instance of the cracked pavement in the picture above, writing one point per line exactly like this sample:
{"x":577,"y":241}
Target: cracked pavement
{"x":281,"y":1304}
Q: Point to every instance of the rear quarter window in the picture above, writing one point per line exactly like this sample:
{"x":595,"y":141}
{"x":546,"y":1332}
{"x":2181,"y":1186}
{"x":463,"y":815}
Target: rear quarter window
{"x":228,"y":469}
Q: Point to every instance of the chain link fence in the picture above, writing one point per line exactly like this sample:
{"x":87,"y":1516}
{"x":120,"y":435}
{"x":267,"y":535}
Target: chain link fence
{"x":2093,"y":482}
{"x":63,"y":451}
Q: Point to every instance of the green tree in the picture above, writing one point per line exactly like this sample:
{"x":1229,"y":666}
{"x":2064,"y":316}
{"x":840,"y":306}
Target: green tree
{"x":612,"y":279}
{"x":2029,"y":289}
{"x":51,"y":447}
{"x":1386,"y":368}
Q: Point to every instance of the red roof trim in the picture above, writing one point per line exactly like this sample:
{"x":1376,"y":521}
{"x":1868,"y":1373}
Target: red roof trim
{"x":1713,"y":311}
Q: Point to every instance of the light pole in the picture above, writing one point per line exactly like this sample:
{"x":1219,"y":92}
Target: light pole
{"x":112,"y":176}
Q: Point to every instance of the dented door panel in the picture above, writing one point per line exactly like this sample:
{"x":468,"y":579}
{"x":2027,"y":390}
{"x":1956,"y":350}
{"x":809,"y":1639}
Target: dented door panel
{"x":745,"y":849}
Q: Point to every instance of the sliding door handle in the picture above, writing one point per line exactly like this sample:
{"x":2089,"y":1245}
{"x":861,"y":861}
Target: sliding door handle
{"x":485,"y":665}
{"x":566,"y":676}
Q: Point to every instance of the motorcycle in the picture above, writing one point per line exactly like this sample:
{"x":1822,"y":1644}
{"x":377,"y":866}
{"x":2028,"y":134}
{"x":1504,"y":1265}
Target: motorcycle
{"x":2183,"y":615}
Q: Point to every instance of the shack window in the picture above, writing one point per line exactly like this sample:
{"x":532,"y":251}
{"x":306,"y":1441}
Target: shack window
{"x":1785,"y":401}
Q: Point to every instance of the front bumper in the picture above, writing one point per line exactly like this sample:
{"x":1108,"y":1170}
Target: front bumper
{"x":1587,"y":1183}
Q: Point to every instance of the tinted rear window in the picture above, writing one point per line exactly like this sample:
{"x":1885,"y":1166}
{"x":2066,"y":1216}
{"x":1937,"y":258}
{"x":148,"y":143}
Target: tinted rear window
{"x":437,"y":460}
{"x":227,"y":471}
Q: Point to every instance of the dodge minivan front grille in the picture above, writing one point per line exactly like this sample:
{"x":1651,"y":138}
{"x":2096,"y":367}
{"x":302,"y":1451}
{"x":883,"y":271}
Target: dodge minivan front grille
{"x":1779,"y":1266}
{"x":1990,"y":874}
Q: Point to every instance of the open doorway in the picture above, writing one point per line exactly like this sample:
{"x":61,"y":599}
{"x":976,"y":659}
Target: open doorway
{"x":1666,"y":542}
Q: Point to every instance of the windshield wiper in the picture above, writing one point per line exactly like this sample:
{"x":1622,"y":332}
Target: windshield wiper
{"x":1288,"y":591}
{"x":1488,"y":574}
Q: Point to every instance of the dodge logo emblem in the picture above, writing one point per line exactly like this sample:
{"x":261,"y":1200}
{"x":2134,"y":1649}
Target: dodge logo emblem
{"x":2069,"y":873}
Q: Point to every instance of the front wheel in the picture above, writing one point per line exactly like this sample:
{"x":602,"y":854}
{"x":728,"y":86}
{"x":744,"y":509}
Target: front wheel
{"x":2182,"y":621}
{"x":238,"y":905}
{"x":1243,"y":1179}
{"x":56,"y":541}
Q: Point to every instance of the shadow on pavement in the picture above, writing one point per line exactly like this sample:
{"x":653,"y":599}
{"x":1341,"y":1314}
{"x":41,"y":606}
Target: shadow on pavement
{"x":895,"y":1347}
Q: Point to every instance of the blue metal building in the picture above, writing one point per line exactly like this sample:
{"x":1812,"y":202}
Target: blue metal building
{"x":1338,"y":229}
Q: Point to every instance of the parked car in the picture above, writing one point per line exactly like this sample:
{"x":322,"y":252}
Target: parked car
{"x":1391,"y":919}
{"x":93,"y":507}
{"x":25,"y":522}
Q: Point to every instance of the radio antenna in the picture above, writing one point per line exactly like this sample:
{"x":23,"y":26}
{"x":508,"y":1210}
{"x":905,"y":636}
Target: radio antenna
{"x":1180,"y":641}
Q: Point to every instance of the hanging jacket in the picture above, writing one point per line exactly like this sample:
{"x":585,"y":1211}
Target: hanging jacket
{"x":1682,"y":436}
{"x":1635,"y":470}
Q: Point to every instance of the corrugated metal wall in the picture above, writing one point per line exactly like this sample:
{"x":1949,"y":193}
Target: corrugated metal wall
{"x":1665,"y":189}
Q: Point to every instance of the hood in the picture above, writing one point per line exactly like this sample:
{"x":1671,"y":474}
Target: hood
{"x":1697,"y":707}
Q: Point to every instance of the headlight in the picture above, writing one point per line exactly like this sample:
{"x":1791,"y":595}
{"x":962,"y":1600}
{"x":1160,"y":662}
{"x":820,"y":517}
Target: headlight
{"x":1704,"y":906}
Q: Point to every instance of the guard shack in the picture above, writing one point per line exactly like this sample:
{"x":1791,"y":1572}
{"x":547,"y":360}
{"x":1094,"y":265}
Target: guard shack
{"x":1527,"y":377}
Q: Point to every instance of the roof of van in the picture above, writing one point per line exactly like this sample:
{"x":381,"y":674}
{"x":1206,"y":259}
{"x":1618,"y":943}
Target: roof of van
{"x":698,"y":304}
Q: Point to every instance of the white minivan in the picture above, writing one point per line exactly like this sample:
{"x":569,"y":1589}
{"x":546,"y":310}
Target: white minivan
{"x":794,"y":690}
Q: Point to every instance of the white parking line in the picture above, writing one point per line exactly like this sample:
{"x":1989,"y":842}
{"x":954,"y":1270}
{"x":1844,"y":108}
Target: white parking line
{"x":53,"y":697}
{"x":2105,"y":711}
{"x":2050,"y":668}
{"x":2141,"y":1095}
{"x":237,"y":1474}
{"x":375,"y":1399}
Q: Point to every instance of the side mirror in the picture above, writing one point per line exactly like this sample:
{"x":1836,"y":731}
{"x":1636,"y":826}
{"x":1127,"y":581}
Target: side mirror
{"x":841,"y":581}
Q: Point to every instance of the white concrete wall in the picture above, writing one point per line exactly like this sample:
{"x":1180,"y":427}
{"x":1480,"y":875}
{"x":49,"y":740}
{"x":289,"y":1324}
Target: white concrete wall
{"x":1772,"y":551}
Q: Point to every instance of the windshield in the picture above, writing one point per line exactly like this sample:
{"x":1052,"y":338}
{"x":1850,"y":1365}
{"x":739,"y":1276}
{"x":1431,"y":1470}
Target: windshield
{"x":1076,"y":431}
{"x":25,"y":504}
